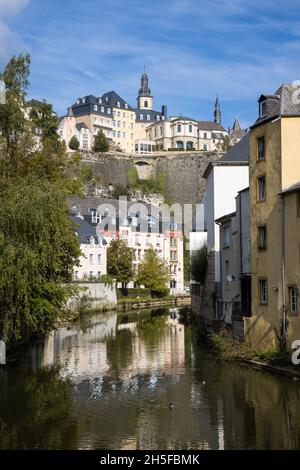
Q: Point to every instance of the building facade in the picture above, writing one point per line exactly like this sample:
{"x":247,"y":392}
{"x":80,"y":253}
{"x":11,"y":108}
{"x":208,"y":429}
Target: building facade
{"x":93,"y":261}
{"x":274,"y":216}
{"x":141,"y":228}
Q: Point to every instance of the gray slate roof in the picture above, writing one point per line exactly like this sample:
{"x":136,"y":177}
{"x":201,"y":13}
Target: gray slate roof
{"x":112,"y":98}
{"x":239,"y":152}
{"x":85,"y":230}
{"x":210,"y":126}
{"x":291,"y":189}
{"x":285,"y":102}
{"x":145,"y":113}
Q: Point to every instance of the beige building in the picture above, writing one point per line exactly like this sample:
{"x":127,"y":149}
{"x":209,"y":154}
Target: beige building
{"x":274,"y":215}
{"x":68,"y":128}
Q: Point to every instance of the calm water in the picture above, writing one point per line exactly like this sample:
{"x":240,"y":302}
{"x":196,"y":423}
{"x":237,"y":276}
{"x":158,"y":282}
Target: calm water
{"x":107,"y":384}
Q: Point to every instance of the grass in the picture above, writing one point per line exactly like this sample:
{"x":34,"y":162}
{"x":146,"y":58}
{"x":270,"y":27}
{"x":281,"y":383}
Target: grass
{"x":226,"y":348}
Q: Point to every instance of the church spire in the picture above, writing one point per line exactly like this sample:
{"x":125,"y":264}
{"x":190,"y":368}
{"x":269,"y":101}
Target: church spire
{"x":217,"y":112}
{"x":144,"y":90}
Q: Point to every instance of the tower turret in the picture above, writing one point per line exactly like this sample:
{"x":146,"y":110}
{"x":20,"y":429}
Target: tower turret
{"x":144,"y":99}
{"x":217,"y":112}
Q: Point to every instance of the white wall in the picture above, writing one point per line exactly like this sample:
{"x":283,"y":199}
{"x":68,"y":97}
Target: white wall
{"x":222,"y":186}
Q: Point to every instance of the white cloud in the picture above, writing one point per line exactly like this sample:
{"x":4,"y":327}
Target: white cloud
{"x":9,"y":41}
{"x":11,"y":7}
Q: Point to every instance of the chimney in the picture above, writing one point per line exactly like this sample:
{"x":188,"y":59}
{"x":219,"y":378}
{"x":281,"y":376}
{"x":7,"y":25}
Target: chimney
{"x":164,"y":111}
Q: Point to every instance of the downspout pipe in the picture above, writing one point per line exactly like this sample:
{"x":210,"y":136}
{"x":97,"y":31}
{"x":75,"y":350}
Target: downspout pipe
{"x":283,"y":288}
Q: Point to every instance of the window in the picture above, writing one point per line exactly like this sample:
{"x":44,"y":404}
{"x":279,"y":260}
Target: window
{"x":95,"y":107}
{"x":262,"y":237}
{"x":155,"y":132}
{"x":205,"y":135}
{"x":293,"y":298}
{"x":99,"y":100}
{"x":148,"y":117}
{"x":108,"y":111}
{"x":99,"y":259}
{"x":205,"y":147}
{"x":261,"y":148}
{"x":124,"y":125}
{"x":141,"y":117}
{"x":157,"y":118}
{"x":263,"y":109}
{"x":190,"y":128}
{"x":76,"y":274}
{"x":178,"y":127}
{"x":263,"y":291}
{"x":102,"y":109}
{"x":118,"y":104}
{"x":119,"y":134}
{"x":119,"y":123}
{"x":226,"y":237}
{"x":126,"y":106}
{"x":261,"y":188}
{"x":91,"y":257}
{"x":180,"y":145}
{"x":145,"y":104}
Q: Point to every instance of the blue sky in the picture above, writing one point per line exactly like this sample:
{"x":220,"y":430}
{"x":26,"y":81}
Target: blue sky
{"x":192,"y":49}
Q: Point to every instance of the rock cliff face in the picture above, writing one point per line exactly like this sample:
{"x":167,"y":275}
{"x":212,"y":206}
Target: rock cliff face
{"x":182,"y":171}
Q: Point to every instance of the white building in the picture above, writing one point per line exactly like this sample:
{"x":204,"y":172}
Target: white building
{"x":140,"y":232}
{"x":224,"y":179}
{"x":235,"y":248}
{"x":93,"y":248}
{"x":69,"y":127}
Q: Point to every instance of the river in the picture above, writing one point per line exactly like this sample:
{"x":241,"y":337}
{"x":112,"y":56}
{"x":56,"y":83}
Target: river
{"x":140,"y":380}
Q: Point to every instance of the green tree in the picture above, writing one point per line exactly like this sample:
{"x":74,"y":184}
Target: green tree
{"x":120,"y":261}
{"x":38,"y":249}
{"x":16,"y":140}
{"x":225,"y":144}
{"x":73,"y":143}
{"x":199,"y":263}
{"x":44,"y":118}
{"x":101,"y":143}
{"x":153,"y":273}
{"x":38,"y":246}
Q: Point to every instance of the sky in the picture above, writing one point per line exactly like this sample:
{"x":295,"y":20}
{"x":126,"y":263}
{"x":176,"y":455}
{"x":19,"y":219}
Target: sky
{"x":193,"y":50}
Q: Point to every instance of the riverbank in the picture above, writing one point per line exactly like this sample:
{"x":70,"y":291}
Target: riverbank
{"x":125,"y":303}
{"x":223,"y":346}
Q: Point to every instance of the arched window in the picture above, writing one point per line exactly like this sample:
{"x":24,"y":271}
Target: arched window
{"x":178,"y":127}
{"x":108,"y":111}
{"x":189,"y":145}
{"x":141,"y":117}
{"x":190,"y":128}
{"x":118,"y":104}
{"x":126,"y":106}
{"x":180,"y":144}
{"x":157,"y":118}
{"x":148,"y":117}
{"x":95,"y":107}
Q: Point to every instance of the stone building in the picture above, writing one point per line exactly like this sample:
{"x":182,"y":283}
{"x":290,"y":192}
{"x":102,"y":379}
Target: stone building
{"x":274,"y":219}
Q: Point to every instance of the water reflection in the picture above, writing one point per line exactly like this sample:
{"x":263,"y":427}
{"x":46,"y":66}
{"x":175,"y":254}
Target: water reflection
{"x":108,"y":383}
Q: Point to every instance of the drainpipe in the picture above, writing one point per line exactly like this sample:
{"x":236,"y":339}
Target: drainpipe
{"x":221,"y":275}
{"x":283,"y":308}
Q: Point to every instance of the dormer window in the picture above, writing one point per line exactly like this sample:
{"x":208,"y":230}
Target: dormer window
{"x":118,"y":104}
{"x":106,"y":98}
{"x":141,"y":117}
{"x":148,"y":117}
{"x":163,"y":118}
{"x":108,"y":111}
{"x":95,"y":107}
{"x":263,"y":109}
{"x":157,"y":117}
{"x":78,"y":101}
{"x":100,"y":101}
{"x":126,"y":106}
{"x":102,"y":109}
{"x":83,"y":100}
